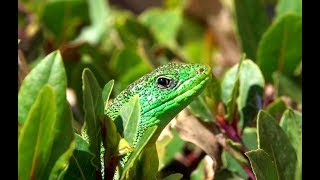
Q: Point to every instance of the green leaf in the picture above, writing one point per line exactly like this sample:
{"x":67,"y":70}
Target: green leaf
{"x":62,"y":18}
{"x":107,"y":89}
{"x":273,"y":140}
{"x":276,"y":108}
{"x":157,"y":19}
{"x":101,"y":22}
{"x":175,"y":176}
{"x":230,"y":88}
{"x":53,"y":73}
{"x":168,"y":147}
{"x":251,"y":85}
{"x":252,"y":21}
{"x":263,"y":167}
{"x":147,"y":165}
{"x":280,"y":48}
{"x":80,"y":166}
{"x":94,"y":113}
{"x":130,"y":113}
{"x":250,"y":92}
{"x":291,"y":123}
{"x":230,"y":163}
{"x":138,"y":149}
{"x":286,"y":6}
{"x":286,"y":86}
{"x":249,"y":137}
{"x":37,"y":139}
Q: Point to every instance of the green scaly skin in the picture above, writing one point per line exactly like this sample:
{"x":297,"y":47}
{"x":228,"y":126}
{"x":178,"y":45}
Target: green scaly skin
{"x":159,"y":105}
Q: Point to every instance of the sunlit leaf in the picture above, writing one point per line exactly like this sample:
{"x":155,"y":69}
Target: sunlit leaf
{"x":37,"y":140}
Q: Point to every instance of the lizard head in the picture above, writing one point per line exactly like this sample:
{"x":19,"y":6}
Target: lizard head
{"x":169,"y":89}
{"x":164,"y":92}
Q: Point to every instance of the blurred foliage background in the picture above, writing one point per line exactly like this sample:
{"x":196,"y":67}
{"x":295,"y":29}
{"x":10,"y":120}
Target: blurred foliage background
{"x":123,"y":40}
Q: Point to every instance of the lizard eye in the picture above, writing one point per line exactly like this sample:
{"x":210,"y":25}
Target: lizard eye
{"x":163,"y":82}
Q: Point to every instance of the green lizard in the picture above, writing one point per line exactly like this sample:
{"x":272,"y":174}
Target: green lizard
{"x":163,"y":93}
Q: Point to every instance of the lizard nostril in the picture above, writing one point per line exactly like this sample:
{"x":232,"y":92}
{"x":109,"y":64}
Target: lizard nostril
{"x":201,"y":70}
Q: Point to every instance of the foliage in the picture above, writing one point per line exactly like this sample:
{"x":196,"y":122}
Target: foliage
{"x":249,"y":114}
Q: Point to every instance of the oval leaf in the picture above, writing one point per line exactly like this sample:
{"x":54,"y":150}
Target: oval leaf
{"x":280,"y":48}
{"x":36,"y":139}
{"x":273,"y":140}
{"x":250,"y":86}
{"x":250,"y":92}
{"x":50,"y":70}
{"x":40,"y":134}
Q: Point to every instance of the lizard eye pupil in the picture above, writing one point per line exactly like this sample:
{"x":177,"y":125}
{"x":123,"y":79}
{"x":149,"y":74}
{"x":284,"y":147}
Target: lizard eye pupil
{"x":163,"y":82}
